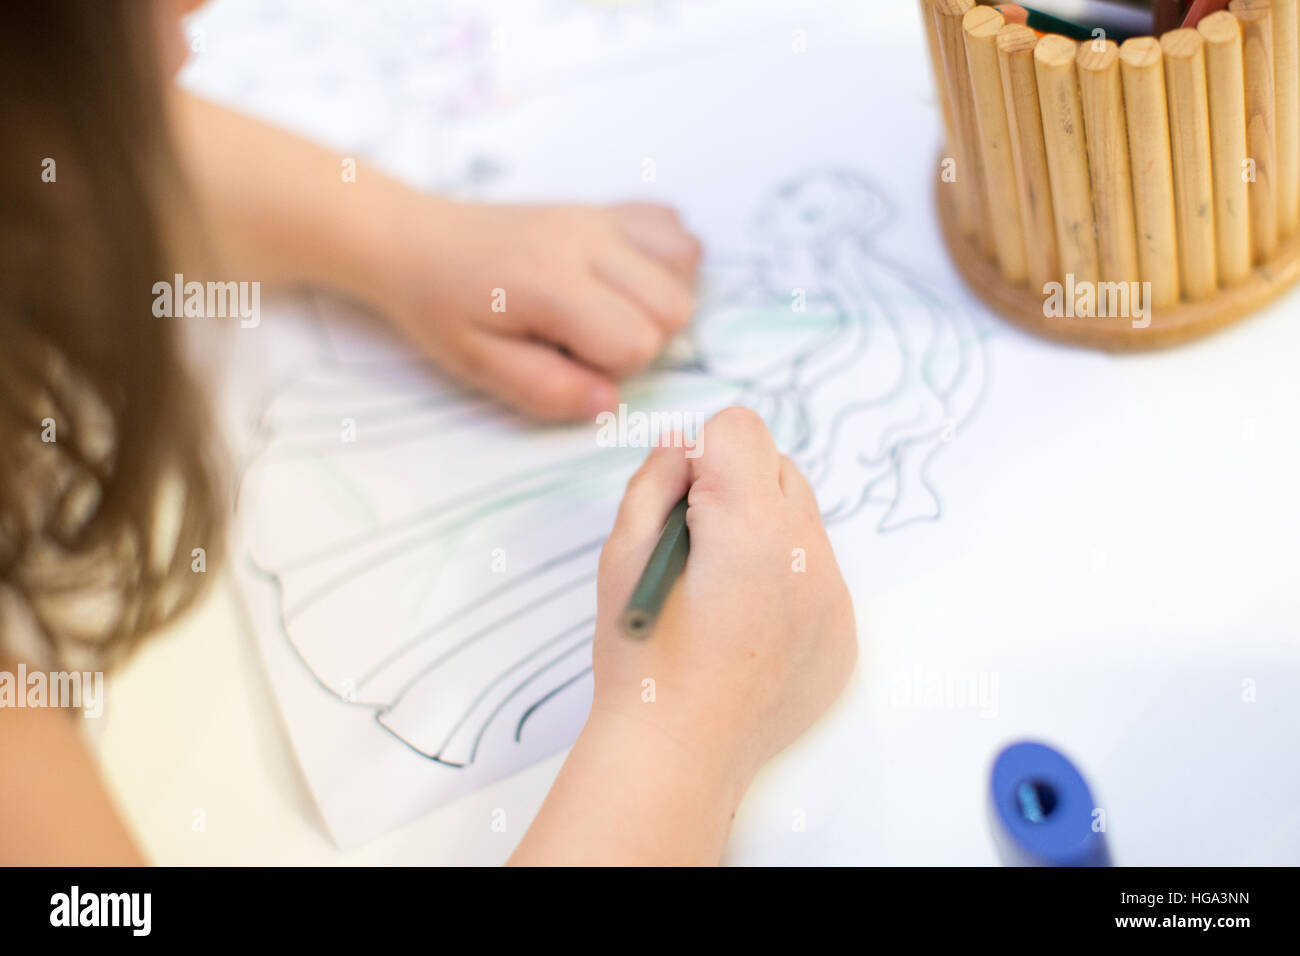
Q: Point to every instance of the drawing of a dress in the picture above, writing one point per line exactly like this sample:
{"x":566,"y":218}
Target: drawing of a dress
{"x":436,"y":555}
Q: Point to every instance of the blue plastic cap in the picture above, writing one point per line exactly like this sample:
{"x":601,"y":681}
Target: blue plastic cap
{"x":1042,"y":810}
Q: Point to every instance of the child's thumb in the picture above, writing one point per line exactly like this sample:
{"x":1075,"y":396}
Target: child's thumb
{"x":651,"y":493}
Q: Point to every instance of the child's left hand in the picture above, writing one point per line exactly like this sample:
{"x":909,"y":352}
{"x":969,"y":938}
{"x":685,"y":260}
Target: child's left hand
{"x":546,"y":307}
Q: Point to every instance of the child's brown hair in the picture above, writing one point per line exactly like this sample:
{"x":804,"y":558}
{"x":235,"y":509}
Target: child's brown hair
{"x":106,"y":487}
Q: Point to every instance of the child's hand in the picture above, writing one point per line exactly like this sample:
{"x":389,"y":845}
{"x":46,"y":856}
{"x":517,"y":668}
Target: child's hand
{"x":587,"y":294}
{"x":546,"y":307}
{"x":747,"y":652}
{"x":758,"y":636}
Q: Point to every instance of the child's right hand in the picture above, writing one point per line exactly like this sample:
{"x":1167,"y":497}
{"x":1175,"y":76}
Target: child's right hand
{"x":748,"y":651}
{"x":758,"y":636}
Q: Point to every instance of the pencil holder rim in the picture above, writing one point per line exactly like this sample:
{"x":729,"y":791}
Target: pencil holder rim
{"x":1171,"y":325}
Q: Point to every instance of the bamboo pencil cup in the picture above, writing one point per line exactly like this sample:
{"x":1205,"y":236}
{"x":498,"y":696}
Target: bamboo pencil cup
{"x":1120,"y":196}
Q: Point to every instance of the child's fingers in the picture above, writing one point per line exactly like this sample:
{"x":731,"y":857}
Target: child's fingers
{"x":654,"y":211}
{"x":737,"y":457}
{"x":537,"y":379}
{"x":796,"y":488}
{"x":657,"y":231}
{"x":651,"y":493}
{"x":604,"y":328}
{"x":652,"y":284}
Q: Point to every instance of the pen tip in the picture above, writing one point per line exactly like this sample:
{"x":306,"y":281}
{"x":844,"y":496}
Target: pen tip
{"x":635,"y":623}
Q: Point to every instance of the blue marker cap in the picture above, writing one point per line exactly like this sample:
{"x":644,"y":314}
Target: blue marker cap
{"x":1043,"y":811}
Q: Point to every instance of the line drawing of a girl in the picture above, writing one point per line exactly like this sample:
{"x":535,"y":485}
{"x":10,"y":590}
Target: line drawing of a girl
{"x":436,"y":557}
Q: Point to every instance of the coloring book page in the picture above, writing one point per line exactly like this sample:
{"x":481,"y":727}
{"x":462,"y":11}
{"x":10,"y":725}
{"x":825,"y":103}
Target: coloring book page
{"x":419,"y":562}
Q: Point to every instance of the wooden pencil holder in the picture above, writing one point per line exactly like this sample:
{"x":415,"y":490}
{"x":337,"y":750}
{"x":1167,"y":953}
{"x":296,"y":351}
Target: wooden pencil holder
{"x":1120,"y":197}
